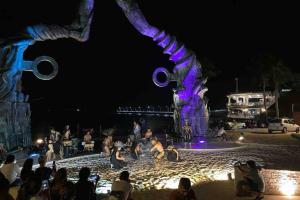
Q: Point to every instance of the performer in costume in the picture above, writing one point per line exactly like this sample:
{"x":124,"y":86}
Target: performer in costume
{"x":157,"y":149}
{"x":67,"y":140}
{"x":117,"y":160}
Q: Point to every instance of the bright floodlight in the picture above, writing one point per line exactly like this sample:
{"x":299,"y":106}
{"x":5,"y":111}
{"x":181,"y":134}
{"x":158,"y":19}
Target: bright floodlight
{"x":287,"y":186}
{"x":39,"y":141}
{"x":241,"y":138}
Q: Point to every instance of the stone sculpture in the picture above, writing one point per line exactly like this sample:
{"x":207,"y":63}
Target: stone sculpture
{"x":14,"y":106}
{"x":189,"y":101}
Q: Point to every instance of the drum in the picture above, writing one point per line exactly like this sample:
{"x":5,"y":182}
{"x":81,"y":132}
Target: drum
{"x":68,"y":143}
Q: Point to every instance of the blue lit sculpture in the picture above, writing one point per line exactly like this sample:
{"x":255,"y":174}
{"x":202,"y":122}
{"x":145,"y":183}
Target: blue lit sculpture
{"x":189,"y":100}
{"x":14,"y":106}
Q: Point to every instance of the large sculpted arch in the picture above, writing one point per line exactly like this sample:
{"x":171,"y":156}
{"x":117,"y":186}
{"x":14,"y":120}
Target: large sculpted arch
{"x":188,"y":100}
{"x":14,"y":106}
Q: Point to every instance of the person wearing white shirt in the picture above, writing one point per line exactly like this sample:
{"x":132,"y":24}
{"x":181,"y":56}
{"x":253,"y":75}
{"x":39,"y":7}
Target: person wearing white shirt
{"x":123,"y":186}
{"x":11,"y":170}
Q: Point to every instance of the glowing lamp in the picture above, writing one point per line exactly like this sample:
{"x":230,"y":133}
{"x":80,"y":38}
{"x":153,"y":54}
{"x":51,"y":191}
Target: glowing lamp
{"x":39,"y":141}
{"x":287,"y":186}
{"x":202,"y":141}
{"x":263,"y":110}
{"x":241,"y":138}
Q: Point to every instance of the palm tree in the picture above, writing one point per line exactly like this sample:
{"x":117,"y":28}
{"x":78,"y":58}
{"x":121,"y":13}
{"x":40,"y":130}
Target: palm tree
{"x":272,"y":70}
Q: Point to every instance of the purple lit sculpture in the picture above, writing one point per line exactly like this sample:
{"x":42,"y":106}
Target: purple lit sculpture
{"x":189,"y":100}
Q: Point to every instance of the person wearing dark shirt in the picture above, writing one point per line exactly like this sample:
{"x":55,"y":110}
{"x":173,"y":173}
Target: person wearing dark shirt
{"x":85,"y":189}
{"x":43,"y":171}
{"x":4,"y":188}
{"x":27,"y":171}
{"x":184,"y":191}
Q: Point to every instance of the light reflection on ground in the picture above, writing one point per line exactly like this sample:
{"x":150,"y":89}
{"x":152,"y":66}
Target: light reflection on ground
{"x":199,"y":166}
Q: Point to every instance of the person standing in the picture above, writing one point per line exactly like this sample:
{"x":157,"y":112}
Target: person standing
{"x":136,"y":130}
{"x":187,"y":132}
{"x":67,"y":140}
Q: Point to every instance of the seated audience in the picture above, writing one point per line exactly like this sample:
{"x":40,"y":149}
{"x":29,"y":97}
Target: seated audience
{"x":85,"y":189}
{"x":122,"y":188}
{"x":11,"y":170}
{"x":172,"y":154}
{"x":184,"y":191}
{"x":27,"y":171}
{"x":30,"y":189}
{"x":252,"y":179}
{"x":43,"y":171}
{"x":4,"y":188}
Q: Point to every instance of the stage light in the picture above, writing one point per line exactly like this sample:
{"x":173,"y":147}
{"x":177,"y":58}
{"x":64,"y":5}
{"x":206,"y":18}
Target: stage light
{"x":263,"y":110}
{"x":202,"y":141}
{"x":287,"y":186}
{"x":241,"y":138}
{"x":39,"y":141}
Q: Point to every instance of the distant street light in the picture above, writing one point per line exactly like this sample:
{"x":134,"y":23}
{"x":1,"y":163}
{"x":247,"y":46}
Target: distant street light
{"x":236,"y":85}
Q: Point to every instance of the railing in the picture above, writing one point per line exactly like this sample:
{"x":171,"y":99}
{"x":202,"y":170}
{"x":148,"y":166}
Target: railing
{"x":165,"y":111}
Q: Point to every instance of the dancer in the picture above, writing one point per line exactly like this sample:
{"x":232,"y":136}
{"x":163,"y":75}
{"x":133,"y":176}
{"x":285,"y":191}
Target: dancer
{"x":157,"y":149}
{"x":117,"y":160}
{"x":187,"y":132}
{"x":172,"y":154}
{"x":135,"y":150}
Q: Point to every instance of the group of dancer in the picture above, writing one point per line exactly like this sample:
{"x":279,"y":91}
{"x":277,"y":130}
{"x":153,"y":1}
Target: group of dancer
{"x":137,"y":144}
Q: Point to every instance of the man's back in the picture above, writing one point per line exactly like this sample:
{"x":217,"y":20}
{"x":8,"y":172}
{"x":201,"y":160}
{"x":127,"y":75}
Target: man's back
{"x":122,"y":186}
{"x":84,"y":190}
{"x":10,"y":171}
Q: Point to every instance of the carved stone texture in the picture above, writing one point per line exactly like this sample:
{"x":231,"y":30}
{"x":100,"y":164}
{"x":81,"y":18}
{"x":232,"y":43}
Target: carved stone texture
{"x":14,"y":107}
{"x":189,"y":101}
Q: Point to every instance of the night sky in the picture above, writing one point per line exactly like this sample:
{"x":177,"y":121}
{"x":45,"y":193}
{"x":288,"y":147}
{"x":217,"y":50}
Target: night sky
{"x":115,"y":66}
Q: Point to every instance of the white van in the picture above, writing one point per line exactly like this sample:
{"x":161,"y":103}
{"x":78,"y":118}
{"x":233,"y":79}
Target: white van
{"x":284,"y":125}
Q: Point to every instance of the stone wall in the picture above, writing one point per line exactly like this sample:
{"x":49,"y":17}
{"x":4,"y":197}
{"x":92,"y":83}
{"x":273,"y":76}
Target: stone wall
{"x":278,"y":182}
{"x":15,"y":129}
{"x":281,"y":182}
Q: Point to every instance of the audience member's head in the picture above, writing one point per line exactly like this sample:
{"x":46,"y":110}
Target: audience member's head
{"x":10,"y":159}
{"x":28,"y":164}
{"x":60,"y":175}
{"x":84,"y":173}
{"x":42,"y":161}
{"x":185,"y":184}
{"x":124,"y":176}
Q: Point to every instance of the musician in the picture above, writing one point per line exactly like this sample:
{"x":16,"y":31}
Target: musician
{"x":157,"y":149}
{"x":67,"y":133}
{"x":67,"y":140}
{"x":87,"y":137}
{"x":107,"y":145}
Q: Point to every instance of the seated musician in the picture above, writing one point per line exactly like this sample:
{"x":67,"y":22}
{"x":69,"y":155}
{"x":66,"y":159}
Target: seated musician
{"x":87,"y":138}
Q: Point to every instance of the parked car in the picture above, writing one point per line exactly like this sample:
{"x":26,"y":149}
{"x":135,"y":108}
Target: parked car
{"x":284,"y":125}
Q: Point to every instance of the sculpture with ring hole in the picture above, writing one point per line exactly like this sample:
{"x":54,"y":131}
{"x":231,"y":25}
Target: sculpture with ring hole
{"x":14,"y":107}
{"x":189,"y":102}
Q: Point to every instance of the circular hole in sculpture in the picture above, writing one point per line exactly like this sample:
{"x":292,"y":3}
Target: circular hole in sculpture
{"x":161,"y":77}
{"x":45,"y":68}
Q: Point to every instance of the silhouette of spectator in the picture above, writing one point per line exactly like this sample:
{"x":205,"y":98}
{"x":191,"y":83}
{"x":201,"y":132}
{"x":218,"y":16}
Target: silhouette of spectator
{"x":30,"y":189}
{"x":184,"y":191}
{"x":27,"y":171}
{"x":4,"y":188}
{"x":43,"y":171}
{"x":85,"y":189}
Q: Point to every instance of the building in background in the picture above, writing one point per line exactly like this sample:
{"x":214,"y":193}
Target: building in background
{"x":248,"y":105}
